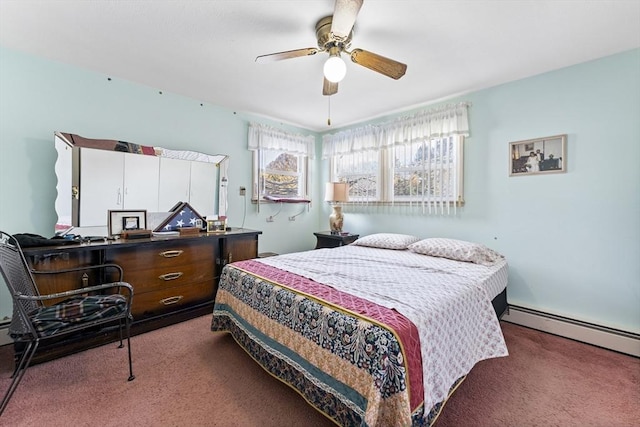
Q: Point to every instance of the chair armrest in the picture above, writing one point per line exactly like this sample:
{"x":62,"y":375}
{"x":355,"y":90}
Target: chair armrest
{"x":119,"y":285}
{"x":88,"y":267}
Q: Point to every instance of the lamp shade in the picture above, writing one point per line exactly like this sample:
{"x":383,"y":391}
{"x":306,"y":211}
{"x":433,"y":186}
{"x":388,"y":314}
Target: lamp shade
{"x":336,"y":192}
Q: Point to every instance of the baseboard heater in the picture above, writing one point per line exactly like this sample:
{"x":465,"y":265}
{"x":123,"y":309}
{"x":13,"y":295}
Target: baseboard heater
{"x":612,"y":339}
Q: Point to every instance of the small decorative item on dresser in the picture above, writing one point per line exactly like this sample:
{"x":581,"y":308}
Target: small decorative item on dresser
{"x":182,"y":215}
{"x":216,"y":225}
{"x":189,"y":231}
{"x":119,"y":221}
{"x":136,"y":234}
{"x":329,"y":239}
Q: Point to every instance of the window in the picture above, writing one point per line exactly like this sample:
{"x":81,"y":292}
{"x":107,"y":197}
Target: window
{"x":280,"y":162}
{"x":280,"y":174}
{"x":415,"y":161}
{"x":423,"y":171}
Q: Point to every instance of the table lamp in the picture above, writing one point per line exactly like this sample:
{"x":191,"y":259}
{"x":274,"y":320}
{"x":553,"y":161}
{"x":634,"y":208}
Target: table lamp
{"x":336,"y":192}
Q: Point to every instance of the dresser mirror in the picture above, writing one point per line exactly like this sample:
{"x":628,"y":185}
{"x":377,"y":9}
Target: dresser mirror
{"x":96,"y":176}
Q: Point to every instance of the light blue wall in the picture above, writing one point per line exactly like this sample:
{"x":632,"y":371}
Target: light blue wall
{"x":572,"y":240}
{"x":38,"y":97}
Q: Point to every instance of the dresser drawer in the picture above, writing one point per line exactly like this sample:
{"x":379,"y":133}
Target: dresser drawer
{"x":154,"y":279}
{"x":171,"y":299}
{"x":165,"y":255}
{"x":167,"y":264}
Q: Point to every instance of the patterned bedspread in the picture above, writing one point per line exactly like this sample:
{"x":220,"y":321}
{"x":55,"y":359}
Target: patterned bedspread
{"x":368,"y":336}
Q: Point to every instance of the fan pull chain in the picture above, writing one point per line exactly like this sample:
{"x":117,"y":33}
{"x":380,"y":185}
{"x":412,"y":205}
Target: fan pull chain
{"x":329,"y":113}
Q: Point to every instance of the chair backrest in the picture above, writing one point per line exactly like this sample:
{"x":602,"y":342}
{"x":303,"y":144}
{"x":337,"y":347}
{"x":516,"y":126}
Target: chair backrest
{"x":18,"y":278}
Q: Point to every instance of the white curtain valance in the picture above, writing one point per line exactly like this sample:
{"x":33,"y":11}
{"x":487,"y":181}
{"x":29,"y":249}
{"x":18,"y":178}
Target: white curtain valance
{"x":356,"y":140}
{"x":264,"y":137}
{"x":449,"y":120}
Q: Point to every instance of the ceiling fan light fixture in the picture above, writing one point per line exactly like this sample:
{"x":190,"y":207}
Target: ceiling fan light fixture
{"x":333,"y":36}
{"x":335,"y":69}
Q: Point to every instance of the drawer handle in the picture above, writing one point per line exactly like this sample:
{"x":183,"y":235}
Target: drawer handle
{"x":171,"y":300}
{"x":170,"y":276}
{"x":171,"y":254}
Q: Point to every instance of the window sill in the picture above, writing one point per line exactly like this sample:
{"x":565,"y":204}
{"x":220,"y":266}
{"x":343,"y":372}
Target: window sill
{"x":276,"y":199}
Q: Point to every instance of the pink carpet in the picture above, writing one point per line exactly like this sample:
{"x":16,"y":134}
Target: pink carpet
{"x":190,"y":376}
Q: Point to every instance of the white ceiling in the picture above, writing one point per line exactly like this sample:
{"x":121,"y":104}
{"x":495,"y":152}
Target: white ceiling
{"x":206,"y":50}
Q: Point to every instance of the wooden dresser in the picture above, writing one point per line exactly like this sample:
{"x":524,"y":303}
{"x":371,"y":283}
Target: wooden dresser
{"x":174,"y":278}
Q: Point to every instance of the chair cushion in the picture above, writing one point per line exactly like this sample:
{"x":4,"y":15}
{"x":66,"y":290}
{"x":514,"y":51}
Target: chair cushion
{"x":75,"y":310}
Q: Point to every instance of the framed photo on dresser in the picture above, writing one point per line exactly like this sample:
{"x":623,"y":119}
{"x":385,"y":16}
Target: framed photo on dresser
{"x":119,"y":221}
{"x":216,"y":226}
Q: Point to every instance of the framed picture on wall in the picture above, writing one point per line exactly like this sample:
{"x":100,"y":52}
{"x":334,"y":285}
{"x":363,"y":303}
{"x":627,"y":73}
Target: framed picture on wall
{"x":538,"y":156}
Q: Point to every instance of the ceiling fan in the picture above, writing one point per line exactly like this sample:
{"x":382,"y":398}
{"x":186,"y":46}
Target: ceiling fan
{"x":334,"y":35}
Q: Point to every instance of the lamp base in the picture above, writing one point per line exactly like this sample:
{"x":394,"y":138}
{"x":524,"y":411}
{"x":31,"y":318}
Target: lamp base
{"x":336,"y":219}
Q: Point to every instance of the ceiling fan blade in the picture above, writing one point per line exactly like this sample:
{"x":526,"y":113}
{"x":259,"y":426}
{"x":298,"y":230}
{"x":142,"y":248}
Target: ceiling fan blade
{"x":344,"y":16}
{"x":329,"y":88}
{"x":278,"y":56}
{"x":378,"y":63}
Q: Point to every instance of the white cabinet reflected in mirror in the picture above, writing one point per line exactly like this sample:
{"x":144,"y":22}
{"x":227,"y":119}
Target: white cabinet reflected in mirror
{"x":95,"y":176}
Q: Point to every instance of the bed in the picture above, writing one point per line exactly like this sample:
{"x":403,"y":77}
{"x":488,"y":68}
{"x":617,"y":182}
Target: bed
{"x":377,"y":333}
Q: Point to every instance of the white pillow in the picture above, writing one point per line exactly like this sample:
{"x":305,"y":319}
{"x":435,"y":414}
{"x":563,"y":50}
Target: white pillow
{"x":457,"y":250}
{"x":386,"y":241}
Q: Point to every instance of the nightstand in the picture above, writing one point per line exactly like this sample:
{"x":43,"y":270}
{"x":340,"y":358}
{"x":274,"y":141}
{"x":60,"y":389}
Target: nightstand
{"x":328,"y":240}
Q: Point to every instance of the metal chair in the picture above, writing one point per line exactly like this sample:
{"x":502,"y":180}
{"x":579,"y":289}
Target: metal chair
{"x":33,"y":321}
